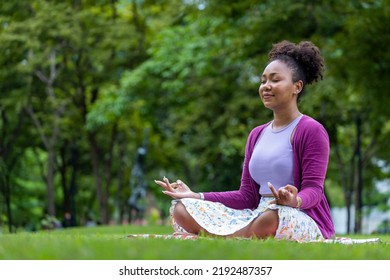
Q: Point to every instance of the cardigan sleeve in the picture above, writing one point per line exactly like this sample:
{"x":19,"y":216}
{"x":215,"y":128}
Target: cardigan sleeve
{"x":312,"y":161}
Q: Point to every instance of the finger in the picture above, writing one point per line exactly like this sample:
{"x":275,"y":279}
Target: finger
{"x":179,"y":184}
{"x":284,"y":195}
{"x":283,"y":192}
{"x":172,"y":194}
{"x":158,"y":182}
{"x":163,"y":184}
{"x":169,"y":187}
{"x":168,"y":193}
{"x":291,"y":189}
{"x":273,"y":190}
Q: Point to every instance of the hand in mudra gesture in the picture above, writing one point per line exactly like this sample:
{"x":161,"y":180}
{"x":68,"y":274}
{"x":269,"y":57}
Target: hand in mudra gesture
{"x":287,"y":195}
{"x":176,"y":190}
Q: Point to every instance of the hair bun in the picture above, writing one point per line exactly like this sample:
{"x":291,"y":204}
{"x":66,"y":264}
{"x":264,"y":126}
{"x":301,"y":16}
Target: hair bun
{"x":305,"y":54}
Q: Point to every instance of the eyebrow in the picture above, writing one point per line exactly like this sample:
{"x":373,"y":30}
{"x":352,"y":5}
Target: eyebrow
{"x":271,"y":74}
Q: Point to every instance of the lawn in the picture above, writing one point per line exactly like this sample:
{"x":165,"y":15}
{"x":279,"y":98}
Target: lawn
{"x":111,"y":243}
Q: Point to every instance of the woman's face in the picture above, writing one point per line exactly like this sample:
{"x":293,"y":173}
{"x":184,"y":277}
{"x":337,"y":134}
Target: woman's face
{"x":277,"y":89}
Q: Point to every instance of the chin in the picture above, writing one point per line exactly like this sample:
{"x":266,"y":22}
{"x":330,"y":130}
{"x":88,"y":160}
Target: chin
{"x":267,"y":105}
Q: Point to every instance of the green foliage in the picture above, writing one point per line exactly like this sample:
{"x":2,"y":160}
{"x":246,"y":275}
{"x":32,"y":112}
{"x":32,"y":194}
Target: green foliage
{"x":95,"y":74}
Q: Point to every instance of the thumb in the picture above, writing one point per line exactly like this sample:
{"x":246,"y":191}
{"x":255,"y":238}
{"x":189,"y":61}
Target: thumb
{"x":272,"y":201}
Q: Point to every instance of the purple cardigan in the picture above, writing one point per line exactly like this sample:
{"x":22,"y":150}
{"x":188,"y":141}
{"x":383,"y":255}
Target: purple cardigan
{"x":310,"y":161}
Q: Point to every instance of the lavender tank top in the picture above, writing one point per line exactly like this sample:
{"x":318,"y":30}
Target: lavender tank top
{"x":272,"y":158}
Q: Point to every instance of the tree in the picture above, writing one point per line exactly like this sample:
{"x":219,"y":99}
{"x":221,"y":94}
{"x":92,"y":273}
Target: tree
{"x":94,"y":74}
{"x":71,"y":60}
{"x":358,"y":127}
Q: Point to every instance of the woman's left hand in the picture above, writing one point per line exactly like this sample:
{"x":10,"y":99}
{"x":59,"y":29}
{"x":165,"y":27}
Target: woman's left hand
{"x":287,"y":195}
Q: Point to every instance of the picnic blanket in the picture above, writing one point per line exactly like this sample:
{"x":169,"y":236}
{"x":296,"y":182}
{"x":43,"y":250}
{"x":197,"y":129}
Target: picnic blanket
{"x":183,"y":236}
{"x":340,"y":240}
{"x":349,"y":241}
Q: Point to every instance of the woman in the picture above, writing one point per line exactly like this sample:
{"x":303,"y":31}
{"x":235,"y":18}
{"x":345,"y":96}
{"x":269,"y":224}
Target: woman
{"x":282,"y":186}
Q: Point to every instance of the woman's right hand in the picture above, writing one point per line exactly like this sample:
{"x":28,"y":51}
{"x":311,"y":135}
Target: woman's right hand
{"x":176,"y":190}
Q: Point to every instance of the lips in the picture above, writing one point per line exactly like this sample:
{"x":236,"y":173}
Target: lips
{"x":267,"y":96}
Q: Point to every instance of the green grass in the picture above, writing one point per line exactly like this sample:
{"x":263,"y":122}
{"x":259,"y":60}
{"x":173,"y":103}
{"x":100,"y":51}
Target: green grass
{"x":111,"y":243}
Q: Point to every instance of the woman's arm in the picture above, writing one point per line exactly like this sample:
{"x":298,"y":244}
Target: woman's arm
{"x":312,"y":156}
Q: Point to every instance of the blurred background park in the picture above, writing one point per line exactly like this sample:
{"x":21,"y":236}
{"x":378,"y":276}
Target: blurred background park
{"x":99,"y":98}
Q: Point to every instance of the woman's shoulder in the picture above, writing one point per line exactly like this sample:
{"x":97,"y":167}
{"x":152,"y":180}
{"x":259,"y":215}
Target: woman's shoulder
{"x":257,"y":130}
{"x":255,"y":133}
{"x":309,"y":122}
{"x":310,"y":126}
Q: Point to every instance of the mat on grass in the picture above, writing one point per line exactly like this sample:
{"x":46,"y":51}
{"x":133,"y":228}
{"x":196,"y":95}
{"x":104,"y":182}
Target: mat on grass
{"x":347,"y":240}
{"x":183,"y":236}
{"x":340,"y":240}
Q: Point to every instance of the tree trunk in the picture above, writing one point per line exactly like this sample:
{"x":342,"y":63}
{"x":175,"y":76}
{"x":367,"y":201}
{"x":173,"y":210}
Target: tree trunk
{"x":51,"y":210}
{"x":359,"y":185}
{"x":69,"y":189}
{"x":345,"y":183}
{"x":101,"y":195}
{"x":348,"y":201}
{"x":349,"y":192}
{"x":73,"y":185}
{"x":120,"y":198}
{"x":49,"y":141}
{"x":6,"y":191}
{"x":63,"y":171}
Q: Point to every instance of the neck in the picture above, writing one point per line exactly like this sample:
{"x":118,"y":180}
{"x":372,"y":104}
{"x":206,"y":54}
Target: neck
{"x":283,"y":119}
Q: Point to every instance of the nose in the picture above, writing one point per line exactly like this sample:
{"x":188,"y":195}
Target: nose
{"x":265,"y":86}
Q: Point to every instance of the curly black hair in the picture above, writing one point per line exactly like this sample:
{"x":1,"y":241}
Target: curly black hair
{"x":304,"y":59}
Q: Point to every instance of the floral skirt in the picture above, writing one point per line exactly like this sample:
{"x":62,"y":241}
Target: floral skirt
{"x":218,"y":219}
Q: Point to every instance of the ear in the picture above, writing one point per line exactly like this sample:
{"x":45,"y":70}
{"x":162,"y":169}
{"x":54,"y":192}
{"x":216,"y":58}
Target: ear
{"x":298,"y":86}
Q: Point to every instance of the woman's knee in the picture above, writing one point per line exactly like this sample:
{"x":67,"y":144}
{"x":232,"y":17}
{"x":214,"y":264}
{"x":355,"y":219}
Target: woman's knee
{"x":180,"y":212}
{"x":184,"y":219}
{"x":265,"y":225}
